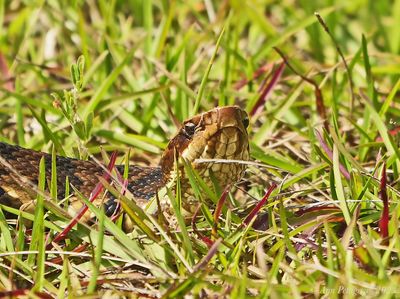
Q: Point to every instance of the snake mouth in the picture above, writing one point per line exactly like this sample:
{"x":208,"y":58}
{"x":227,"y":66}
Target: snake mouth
{"x":220,"y":147}
{"x":220,"y":134}
{"x":216,"y":134}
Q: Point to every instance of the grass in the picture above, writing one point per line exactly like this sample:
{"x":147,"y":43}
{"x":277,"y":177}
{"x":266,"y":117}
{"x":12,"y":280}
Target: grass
{"x":84,"y":77}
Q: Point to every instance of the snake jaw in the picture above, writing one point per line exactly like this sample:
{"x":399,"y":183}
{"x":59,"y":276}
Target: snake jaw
{"x":228,"y":122}
{"x":220,"y":134}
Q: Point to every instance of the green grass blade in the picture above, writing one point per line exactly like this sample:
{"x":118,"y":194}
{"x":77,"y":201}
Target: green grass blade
{"x":207,"y":73}
{"x":97,"y":256}
{"x":103,"y":89}
{"x":339,"y":186}
{"x":38,"y":233}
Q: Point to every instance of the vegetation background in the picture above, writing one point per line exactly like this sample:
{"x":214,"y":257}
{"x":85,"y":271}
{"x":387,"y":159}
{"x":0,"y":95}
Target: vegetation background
{"x":324,"y":108}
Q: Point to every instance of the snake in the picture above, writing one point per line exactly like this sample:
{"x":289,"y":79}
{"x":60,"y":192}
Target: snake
{"x":218,"y":136}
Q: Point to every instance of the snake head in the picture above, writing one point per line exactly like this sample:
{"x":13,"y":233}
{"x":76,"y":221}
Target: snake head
{"x":219,"y":134}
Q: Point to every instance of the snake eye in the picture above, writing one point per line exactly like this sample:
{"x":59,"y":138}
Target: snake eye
{"x":189,"y":129}
{"x":245,"y":122}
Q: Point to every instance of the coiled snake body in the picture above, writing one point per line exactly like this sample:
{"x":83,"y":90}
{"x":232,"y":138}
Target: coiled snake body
{"x":217,"y":134}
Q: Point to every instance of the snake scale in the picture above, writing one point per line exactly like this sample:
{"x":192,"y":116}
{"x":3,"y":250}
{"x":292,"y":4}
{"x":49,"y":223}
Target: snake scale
{"x":217,"y":134}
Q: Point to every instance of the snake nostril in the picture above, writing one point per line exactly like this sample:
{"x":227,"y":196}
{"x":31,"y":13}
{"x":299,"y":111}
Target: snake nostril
{"x":245,"y":122}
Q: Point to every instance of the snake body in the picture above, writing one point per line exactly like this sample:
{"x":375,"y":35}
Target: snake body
{"x":217,"y":134}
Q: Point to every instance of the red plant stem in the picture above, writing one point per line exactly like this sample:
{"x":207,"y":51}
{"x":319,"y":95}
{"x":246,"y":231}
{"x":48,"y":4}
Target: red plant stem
{"x":97,"y":190}
{"x":205,"y":239}
{"x":59,"y":260}
{"x":6,"y":80}
{"x":313,"y":209}
{"x":23,"y":292}
{"x":268,"y":88}
{"x":328,"y":151}
{"x":211,"y":252}
{"x":392,"y":132}
{"x":261,"y":70}
{"x":384,"y":221}
{"x":218,"y":209}
{"x":257,"y":208}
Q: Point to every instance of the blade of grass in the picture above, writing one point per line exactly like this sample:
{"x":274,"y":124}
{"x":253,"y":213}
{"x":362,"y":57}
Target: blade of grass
{"x":383,"y":131}
{"x":133,"y":210}
{"x":49,"y":133}
{"x":176,"y":202}
{"x":102,"y":90}
{"x":97,"y":256}
{"x":7,"y":240}
{"x":138,"y":141}
{"x":339,"y":186}
{"x":53,"y":181}
{"x":38,"y":235}
{"x":389,"y":99}
{"x":204,"y":80}
{"x":131,"y":246}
